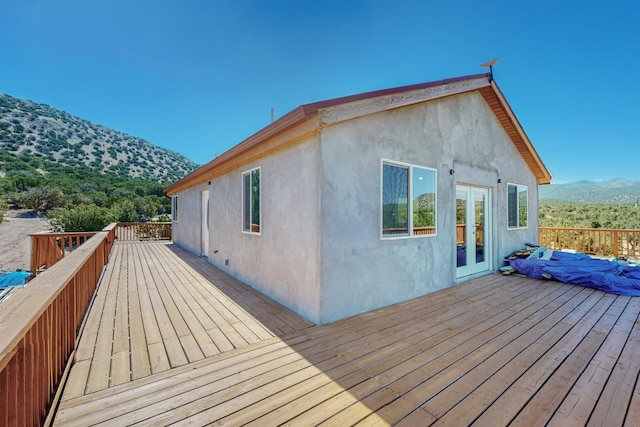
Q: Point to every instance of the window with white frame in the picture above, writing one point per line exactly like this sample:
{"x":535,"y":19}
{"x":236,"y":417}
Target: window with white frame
{"x":517,"y":203}
{"x":251,"y":201}
{"x":409,"y":200}
{"x":174,"y":208}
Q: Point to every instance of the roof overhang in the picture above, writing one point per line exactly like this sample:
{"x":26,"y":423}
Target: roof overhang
{"x":309,"y":119}
{"x":511,"y":125}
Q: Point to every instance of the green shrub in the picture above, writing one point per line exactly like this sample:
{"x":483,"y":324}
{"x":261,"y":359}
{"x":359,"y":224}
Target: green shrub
{"x":40,"y":198}
{"x":4,"y":207}
{"x":125,"y":211}
{"x":147,"y":206}
{"x":81,"y":218}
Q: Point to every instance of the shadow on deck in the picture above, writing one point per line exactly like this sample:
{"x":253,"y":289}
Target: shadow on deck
{"x":159,"y":307}
{"x":494,"y":351}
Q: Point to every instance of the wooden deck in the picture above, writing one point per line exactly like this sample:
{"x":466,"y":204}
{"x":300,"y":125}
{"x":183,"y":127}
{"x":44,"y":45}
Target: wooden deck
{"x":157,"y":309}
{"x":501,"y":350}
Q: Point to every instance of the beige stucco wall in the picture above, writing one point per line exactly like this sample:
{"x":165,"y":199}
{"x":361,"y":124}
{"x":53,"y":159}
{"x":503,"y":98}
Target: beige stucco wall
{"x":361,"y":271}
{"x":283,"y":261}
{"x":186,"y":230}
{"x":320,"y":252}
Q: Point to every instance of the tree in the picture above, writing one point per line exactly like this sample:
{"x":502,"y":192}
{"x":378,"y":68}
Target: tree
{"x":81,"y":218}
{"x":40,"y":198}
{"x":125,"y":211}
{"x":147,"y":206}
{"x":23,"y":181}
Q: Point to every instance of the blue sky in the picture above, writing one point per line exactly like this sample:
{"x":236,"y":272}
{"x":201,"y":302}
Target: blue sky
{"x":199,"y":76}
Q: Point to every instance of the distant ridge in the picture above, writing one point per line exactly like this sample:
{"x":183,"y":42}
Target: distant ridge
{"x":51,"y":134}
{"x":613,"y":191}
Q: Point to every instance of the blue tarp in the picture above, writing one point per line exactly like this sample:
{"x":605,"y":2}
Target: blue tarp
{"x":580,"y":269}
{"x":15,"y":278}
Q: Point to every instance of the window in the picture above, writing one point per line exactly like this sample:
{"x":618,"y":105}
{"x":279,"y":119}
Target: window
{"x":251,"y":201}
{"x":174,"y":208}
{"x":402,"y":215}
{"x":517,"y":202}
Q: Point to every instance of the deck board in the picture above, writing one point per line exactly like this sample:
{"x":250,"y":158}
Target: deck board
{"x":139,"y":351}
{"x":147,"y":353}
{"x":499,"y":350}
{"x":155,"y":312}
{"x":622,"y":383}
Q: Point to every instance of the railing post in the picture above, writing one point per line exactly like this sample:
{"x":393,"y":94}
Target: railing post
{"x":34,"y":254}
{"x":40,"y":327}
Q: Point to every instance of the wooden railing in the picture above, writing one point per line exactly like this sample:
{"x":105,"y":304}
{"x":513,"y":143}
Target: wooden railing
{"x":422,"y":231}
{"x":593,"y":241}
{"x":461,"y":234}
{"x":39,"y":329}
{"x":403,"y":231}
{"x":48,"y":248}
{"x":461,"y":230}
{"x":143,"y":231}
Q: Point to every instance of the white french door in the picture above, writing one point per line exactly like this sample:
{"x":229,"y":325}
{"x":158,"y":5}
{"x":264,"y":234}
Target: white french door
{"x":473,"y":230}
{"x":204,"y":215}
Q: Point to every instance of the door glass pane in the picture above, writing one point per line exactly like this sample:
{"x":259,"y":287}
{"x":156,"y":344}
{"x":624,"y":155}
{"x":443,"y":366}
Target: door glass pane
{"x":479,"y":204}
{"x":461,"y":228}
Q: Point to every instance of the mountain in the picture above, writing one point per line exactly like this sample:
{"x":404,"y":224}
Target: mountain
{"x":614,"y":191}
{"x":51,"y":134}
{"x":425,"y":202}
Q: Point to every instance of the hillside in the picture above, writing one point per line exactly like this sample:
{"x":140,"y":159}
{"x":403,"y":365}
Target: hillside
{"x":76,"y":198}
{"x":50,"y":134}
{"x":614,"y":191}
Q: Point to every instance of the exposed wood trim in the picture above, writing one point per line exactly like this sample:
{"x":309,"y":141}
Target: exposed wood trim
{"x":500,"y":107}
{"x":348,"y":111}
{"x":287,"y":122}
{"x":310,"y":118}
{"x":251,"y":149}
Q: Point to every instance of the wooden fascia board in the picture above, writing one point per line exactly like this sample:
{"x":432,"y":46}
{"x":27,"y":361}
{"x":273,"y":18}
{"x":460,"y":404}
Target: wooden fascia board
{"x":316,"y":106}
{"x":500,"y":107}
{"x":397,"y":99}
{"x":296,"y":117}
{"x":297,"y":127}
{"x":310,"y":118}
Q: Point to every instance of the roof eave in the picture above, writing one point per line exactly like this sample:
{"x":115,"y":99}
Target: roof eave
{"x":202,"y":174}
{"x":306,"y":112}
{"x":503,"y":112}
{"x":292,"y":119}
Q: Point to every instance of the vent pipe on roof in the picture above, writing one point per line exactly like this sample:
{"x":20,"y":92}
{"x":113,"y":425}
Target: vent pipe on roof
{"x":273,"y":114}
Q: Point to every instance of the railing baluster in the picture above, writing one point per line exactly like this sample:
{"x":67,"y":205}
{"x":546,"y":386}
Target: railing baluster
{"x":49,"y":248}
{"x":131,"y":231}
{"x":592,"y":241}
{"x":41,"y":322}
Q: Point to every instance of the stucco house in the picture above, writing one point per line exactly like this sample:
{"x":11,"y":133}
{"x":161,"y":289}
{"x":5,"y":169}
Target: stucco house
{"x":354,"y":203}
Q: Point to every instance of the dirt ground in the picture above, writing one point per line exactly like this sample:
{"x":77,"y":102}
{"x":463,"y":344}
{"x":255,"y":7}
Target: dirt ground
{"x":15,"y":243}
